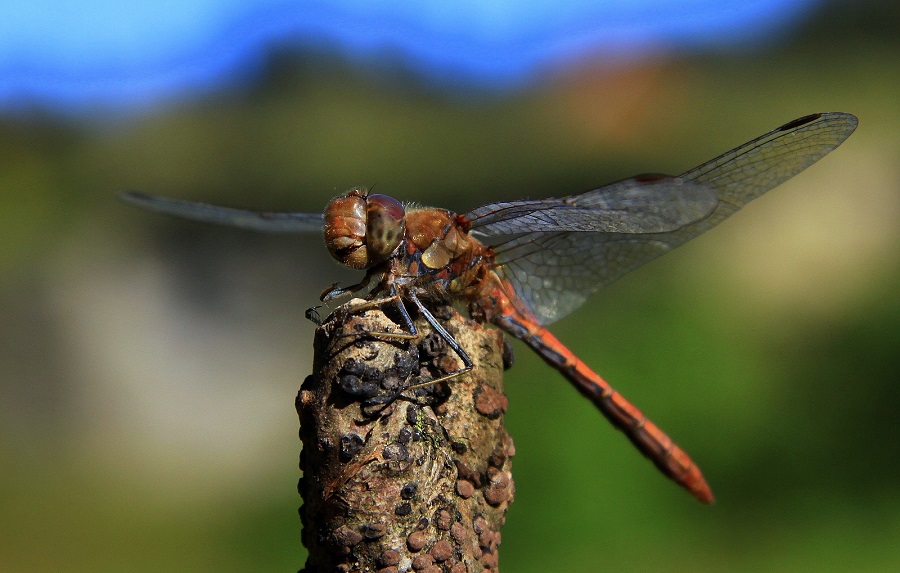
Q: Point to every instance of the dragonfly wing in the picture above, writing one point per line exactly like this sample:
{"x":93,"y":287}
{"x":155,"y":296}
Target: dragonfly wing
{"x":252,"y":220}
{"x":746,"y":172}
{"x":645,"y":204}
{"x":553,"y":273}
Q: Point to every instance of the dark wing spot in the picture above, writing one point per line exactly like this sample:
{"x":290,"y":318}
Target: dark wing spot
{"x":650,"y":177}
{"x":800,"y":121}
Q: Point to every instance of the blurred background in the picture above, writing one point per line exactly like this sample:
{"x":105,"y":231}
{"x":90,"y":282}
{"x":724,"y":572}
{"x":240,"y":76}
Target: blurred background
{"x":148,"y":366}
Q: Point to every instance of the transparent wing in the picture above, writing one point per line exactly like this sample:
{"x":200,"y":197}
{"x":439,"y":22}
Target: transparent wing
{"x":554,"y":272}
{"x":646,"y":204}
{"x":255,"y":221}
{"x":746,"y":172}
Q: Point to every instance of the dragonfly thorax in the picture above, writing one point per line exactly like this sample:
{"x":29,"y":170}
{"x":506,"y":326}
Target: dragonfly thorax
{"x":362,"y":230}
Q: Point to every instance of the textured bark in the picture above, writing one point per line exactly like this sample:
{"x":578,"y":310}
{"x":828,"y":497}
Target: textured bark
{"x":420,"y":484}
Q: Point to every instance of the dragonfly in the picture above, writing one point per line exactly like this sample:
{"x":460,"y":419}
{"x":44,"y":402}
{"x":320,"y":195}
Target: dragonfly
{"x":524,"y":264}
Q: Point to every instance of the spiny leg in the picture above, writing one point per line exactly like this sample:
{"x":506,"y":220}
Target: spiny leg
{"x":333,"y":292}
{"x":411,"y":334}
{"x":451,"y":342}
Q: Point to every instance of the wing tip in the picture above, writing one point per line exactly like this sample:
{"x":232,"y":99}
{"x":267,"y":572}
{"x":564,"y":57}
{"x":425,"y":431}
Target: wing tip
{"x":851,"y":120}
{"x":132,"y":197}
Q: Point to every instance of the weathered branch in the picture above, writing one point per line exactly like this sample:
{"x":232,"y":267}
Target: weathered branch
{"x":421,"y":483}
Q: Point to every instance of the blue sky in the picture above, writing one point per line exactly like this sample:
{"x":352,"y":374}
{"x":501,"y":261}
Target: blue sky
{"x":126,"y":53}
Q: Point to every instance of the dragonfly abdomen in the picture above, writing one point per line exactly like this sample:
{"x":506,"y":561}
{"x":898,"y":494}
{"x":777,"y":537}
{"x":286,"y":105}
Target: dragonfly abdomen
{"x":644,"y":434}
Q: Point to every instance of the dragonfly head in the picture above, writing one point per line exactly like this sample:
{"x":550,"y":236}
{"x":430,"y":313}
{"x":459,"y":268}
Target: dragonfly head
{"x":362,"y":230}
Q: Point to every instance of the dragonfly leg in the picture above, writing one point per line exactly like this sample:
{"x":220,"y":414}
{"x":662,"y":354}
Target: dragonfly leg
{"x":393,"y":297}
{"x":451,"y":342}
{"x":413,"y":334}
{"x":468,"y":364}
{"x":334,"y":291}
{"x":312,"y":315}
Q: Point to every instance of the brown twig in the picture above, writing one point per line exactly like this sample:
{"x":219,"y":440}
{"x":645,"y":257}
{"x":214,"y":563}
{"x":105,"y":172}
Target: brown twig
{"x":419,"y":483}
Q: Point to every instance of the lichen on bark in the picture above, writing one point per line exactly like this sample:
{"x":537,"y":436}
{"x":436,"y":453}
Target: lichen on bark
{"x":420,"y":483}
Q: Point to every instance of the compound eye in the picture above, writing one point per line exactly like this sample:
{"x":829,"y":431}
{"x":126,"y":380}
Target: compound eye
{"x":385,"y":226}
{"x":345,"y":229}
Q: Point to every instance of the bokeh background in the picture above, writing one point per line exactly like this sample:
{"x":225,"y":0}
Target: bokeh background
{"x":148,"y":366}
